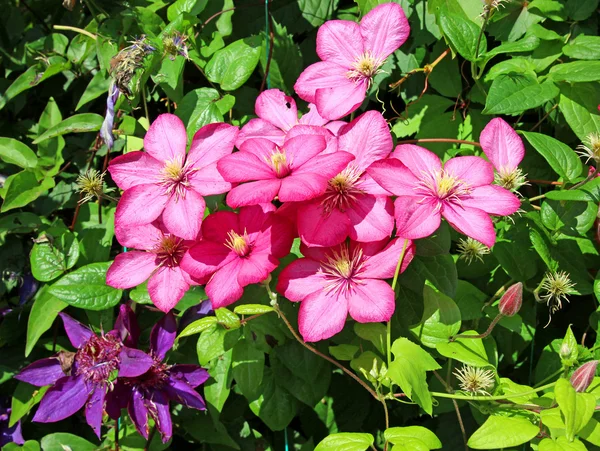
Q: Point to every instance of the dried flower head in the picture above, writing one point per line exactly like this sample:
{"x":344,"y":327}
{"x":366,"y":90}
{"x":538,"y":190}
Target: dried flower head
{"x":511,"y":180}
{"x":175,"y":45}
{"x":475,"y":380}
{"x":471,"y":249}
{"x":590,"y":149}
{"x":127,"y":61}
{"x":556,"y":287}
{"x":90,"y":184}
{"x":489,"y":6}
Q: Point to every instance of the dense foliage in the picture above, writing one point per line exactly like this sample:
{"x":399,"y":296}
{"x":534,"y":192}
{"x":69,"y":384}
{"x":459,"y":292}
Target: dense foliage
{"x":206,"y":241}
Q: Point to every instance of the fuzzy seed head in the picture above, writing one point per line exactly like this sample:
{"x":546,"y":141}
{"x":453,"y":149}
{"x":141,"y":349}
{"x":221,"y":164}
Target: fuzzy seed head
{"x":90,"y":184}
{"x":590,"y":149}
{"x":471,"y":249}
{"x":475,"y":380}
{"x":556,"y":287}
{"x":510,"y":180}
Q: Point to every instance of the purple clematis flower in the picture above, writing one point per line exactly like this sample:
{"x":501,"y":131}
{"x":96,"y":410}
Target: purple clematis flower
{"x":84,"y":377}
{"x":149,"y":395}
{"x":9,"y":434}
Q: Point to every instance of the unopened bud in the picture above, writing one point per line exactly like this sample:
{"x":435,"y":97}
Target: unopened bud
{"x":565,"y":351}
{"x":511,"y":301}
{"x":583,"y":376}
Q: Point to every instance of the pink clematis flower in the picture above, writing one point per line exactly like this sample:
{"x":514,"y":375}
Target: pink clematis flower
{"x":237,"y":250}
{"x":164,"y":180}
{"x":505,"y":150}
{"x":351,"y":55}
{"x":157,"y":259}
{"x":278,"y":115}
{"x":353,"y":205}
{"x":460,"y":191}
{"x":348,"y":278}
{"x":293,"y":172}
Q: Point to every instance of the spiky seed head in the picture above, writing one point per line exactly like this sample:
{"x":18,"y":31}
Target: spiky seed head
{"x":475,"y":380}
{"x":556,"y":287}
{"x":471,"y":249}
{"x":90,"y":184}
{"x":590,"y":148}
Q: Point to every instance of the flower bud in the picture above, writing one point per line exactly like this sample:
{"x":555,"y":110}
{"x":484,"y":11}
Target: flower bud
{"x":511,"y":301}
{"x":583,"y":376}
{"x":565,"y":351}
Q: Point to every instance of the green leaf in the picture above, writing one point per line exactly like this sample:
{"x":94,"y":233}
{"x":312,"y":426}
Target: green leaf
{"x":552,"y":9}
{"x":559,"y":156}
{"x":466,"y":350}
{"x":275,"y":405}
{"x":346,"y":441}
{"x":589,"y":192}
{"x":513,"y":94}
{"x":23,"y":188}
{"x":232,"y":66}
{"x":373,"y":332}
{"x":53,"y":254}
{"x":217,"y":390}
{"x":86,"y":288}
{"x":503,"y":432}
{"x":579,"y":106}
{"x":193,"y":7}
{"x":462,"y":34}
{"x":44,"y":311}
{"x":591,"y":432}
{"x":248,"y":367}
{"x":23,"y":222}
{"x":17,"y":153}
{"x":577,"y":408}
{"x":583,"y":47}
{"x":198,"y":108}
{"x":80,"y":123}
{"x":576,"y":72}
{"x":227,"y":318}
{"x":214,"y":342}
{"x":569,"y":344}
{"x":440,"y":321}
{"x":344,"y":351}
{"x":409,"y":370}
{"x":62,"y":441}
{"x":29,"y":445}
{"x":527,"y":44}
{"x":439,"y":270}
{"x":198,"y":326}
{"x":24,"y":398}
{"x":519,"y":266}
{"x":286,"y":60}
{"x":252,"y":309}
{"x":561,"y":444}
{"x":398,"y":435}
{"x":570,"y":218}
{"x":97,"y":86}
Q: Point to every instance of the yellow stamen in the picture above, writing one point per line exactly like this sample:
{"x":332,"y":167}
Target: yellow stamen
{"x":279,"y":163}
{"x":238,"y":243}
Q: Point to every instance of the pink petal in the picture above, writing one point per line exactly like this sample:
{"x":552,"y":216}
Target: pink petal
{"x":502,"y":145}
{"x":301,"y":187}
{"x":244,"y":166}
{"x":217,"y":225}
{"x":275,"y":107}
{"x":140,"y":205}
{"x":317,"y":228}
{"x":223,"y":288}
{"x":392,"y":175}
{"x":166,"y":138}
{"x":300,"y":149}
{"x":492,"y":199}
{"x":255,"y":268}
{"x":259,"y":128}
{"x":130,"y":269}
{"x":326,"y":165}
{"x":139,"y":237}
{"x":474,"y":171}
{"x":383,"y":264}
{"x":416,"y":217}
{"x":340,"y":42}
{"x":270,"y":233}
{"x":302,"y":130}
{"x":210,"y":143}
{"x":299,"y":279}
{"x":335,"y":126}
{"x":254,"y":220}
{"x":253,"y":193}
{"x":340,"y":98}
{"x":371,"y":218}
{"x":134,"y":168}
{"x":384,"y":29}
{"x":370,"y":186}
{"x":319,"y":75}
{"x":419,"y":160}
{"x":471,"y":222}
{"x":368,"y":138}
{"x":183,"y":216}
{"x":208,"y":181}
{"x":203,"y":259}
{"x":372,"y":301}
{"x":322,"y":315}
{"x":166,"y":287}
{"x":313,"y":117}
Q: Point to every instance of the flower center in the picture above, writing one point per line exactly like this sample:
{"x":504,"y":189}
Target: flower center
{"x":240,"y":244}
{"x":174,"y":177}
{"x":170,"y":250}
{"x":98,"y":358}
{"x":342,"y":190}
{"x":443,"y":186}
{"x":510,"y":180}
{"x":280,"y":163}
{"x":342,"y":269}
{"x":155,"y":378}
{"x":365,"y":67}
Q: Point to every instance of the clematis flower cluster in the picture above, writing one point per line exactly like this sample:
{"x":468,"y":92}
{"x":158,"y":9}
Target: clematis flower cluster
{"x":335,"y":184}
{"x":107,"y":373}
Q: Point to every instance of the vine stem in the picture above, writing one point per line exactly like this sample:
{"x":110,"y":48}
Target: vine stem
{"x":450,"y":390}
{"x":587,"y":179}
{"x":491,"y":398}
{"x":150,"y":437}
{"x":486,"y":333}
{"x":439,"y":140}
{"x":77,"y":30}
{"x":389,"y":323}
{"x":117,"y":434}
{"x":541,"y":196}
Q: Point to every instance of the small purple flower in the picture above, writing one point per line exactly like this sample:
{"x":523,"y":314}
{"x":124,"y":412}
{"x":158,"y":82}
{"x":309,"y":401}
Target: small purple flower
{"x":9,"y":434}
{"x":28,"y":288}
{"x":83,"y":378}
{"x":149,"y":395}
{"x":195,"y":313}
{"x":109,"y":120}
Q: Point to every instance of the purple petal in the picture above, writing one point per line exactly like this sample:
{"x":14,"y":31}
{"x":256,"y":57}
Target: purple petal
{"x":78,"y":334}
{"x":127,"y":326}
{"x":192,"y":374}
{"x":133,"y":362}
{"x":94,"y":409}
{"x":117,"y":399}
{"x":195,"y":313}
{"x":42,"y":372}
{"x":64,"y":399}
{"x":138,"y":412}
{"x":163,"y":335}
{"x":181,"y":392}
{"x":28,"y":288}
{"x":162,"y":415}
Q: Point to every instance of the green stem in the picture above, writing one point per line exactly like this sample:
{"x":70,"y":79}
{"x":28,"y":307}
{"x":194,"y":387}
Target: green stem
{"x":389,"y":323}
{"x":552,"y":376}
{"x":492,"y":398}
{"x":76,"y":30}
{"x":541,"y":196}
{"x":145,"y":103}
